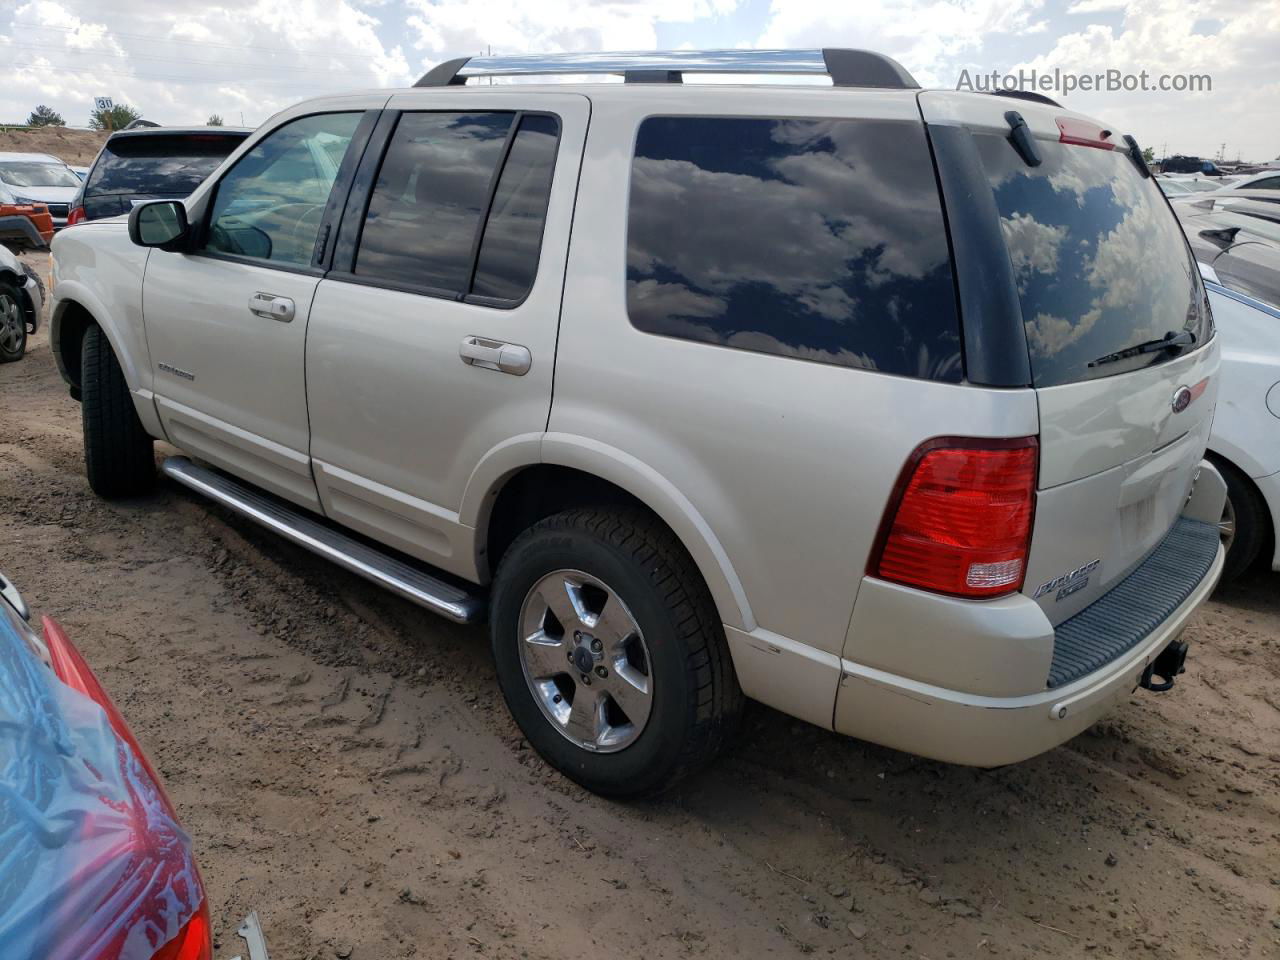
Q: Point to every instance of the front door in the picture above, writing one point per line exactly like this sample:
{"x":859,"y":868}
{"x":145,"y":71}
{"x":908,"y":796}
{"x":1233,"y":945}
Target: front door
{"x":431,"y":346}
{"x":226,"y":323}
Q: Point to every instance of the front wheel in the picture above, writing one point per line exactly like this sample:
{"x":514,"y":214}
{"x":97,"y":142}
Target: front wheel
{"x":13,"y":324}
{"x":609,"y":651}
{"x":118,"y":454}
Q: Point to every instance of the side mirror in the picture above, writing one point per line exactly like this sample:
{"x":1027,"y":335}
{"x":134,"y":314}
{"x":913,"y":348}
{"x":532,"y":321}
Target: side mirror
{"x":158,"y":224}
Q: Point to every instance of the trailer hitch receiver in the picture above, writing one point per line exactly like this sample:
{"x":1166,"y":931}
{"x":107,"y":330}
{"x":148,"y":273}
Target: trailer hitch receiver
{"x":1170,"y":662}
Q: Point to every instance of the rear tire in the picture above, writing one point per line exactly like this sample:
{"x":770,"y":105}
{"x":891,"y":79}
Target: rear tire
{"x":1246,"y":513}
{"x":118,"y":454}
{"x":13,"y":324}
{"x":670,"y":646}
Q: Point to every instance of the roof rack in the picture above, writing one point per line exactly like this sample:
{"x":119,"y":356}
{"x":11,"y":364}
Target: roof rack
{"x":1024,"y":95}
{"x":846,"y":68}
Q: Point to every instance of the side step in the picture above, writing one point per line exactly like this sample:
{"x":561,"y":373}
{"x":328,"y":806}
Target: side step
{"x":453,"y":603}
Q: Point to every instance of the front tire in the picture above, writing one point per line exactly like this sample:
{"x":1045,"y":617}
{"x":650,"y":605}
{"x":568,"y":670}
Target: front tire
{"x":13,"y":324}
{"x":610,"y":653}
{"x":118,"y":454}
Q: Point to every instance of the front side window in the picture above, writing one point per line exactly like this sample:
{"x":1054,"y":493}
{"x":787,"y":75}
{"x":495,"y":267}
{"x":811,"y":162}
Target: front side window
{"x":270,"y":204}
{"x":821,"y":240}
{"x":459,"y":204}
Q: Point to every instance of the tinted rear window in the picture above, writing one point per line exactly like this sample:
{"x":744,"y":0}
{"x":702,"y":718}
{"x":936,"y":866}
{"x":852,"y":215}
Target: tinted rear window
{"x":1100,"y":260}
{"x":159,"y":164}
{"x":820,"y":240}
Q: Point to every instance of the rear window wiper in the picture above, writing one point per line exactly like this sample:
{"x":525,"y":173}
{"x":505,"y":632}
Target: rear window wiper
{"x":1170,"y":341}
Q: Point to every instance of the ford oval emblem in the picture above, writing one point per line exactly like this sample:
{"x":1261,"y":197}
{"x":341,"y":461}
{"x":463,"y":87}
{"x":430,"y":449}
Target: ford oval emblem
{"x":1181,"y":399}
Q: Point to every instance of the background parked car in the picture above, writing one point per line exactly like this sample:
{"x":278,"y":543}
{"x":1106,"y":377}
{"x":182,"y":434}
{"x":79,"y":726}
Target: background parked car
{"x":21,"y":298}
{"x":151,"y":163}
{"x":95,"y":862}
{"x":1266,"y":180}
{"x":1238,"y":248}
{"x":23,"y":224}
{"x":40,"y":178}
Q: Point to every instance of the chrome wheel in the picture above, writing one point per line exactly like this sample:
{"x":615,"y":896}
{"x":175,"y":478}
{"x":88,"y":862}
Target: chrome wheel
{"x":12,"y":324}
{"x":1227,"y":525}
{"x":585,"y":661}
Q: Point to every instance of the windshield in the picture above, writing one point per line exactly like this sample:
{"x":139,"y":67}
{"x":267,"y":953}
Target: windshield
{"x":158,"y":164}
{"x":37,"y":173}
{"x":1100,"y":261}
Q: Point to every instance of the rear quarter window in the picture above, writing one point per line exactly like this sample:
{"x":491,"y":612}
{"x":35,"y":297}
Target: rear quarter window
{"x":158,"y":164}
{"x":815,"y":239}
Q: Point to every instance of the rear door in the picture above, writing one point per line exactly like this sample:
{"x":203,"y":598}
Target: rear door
{"x":432,"y":339}
{"x":1101,"y":268}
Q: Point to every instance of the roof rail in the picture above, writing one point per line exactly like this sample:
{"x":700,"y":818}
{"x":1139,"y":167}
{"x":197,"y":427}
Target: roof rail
{"x":846,"y":68}
{"x":1024,"y":95}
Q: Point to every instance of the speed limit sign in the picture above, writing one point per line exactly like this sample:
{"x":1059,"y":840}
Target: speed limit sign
{"x":102,"y":103}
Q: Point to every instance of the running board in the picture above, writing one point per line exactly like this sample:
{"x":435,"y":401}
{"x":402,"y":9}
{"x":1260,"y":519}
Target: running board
{"x":453,"y":603}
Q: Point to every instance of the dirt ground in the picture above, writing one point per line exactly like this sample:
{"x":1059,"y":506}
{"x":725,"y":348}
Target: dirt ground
{"x":74,"y":147}
{"x":348,"y":770}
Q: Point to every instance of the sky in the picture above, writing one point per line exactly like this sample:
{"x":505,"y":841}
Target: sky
{"x":183,"y":60}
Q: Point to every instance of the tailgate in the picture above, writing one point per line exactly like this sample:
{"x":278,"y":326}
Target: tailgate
{"x":1118,"y":335}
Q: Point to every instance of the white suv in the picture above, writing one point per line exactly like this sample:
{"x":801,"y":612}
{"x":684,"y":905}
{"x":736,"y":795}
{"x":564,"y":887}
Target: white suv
{"x":884,"y":407}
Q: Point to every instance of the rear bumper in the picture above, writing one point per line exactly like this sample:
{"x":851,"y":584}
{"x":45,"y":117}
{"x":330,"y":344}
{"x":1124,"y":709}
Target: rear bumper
{"x":986,"y":731}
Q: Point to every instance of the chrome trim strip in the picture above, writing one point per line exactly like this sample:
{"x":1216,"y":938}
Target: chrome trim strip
{"x":1244,"y":298}
{"x":417,"y":586}
{"x":683,"y":61}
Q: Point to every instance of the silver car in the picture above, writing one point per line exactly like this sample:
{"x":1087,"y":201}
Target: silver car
{"x":40,"y":178}
{"x":884,"y":407}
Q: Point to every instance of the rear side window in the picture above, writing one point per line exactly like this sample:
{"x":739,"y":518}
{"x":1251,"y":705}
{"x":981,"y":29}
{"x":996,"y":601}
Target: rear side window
{"x":158,"y":164}
{"x":820,"y":240}
{"x":459,"y":204}
{"x":1100,"y":261}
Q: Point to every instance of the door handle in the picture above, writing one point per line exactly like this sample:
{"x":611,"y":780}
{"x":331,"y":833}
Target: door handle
{"x":495,"y":355}
{"x":272,"y":307}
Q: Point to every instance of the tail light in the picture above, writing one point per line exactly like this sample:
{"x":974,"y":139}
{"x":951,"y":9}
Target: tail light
{"x":193,"y":941}
{"x":75,"y":216}
{"x":960,"y":520}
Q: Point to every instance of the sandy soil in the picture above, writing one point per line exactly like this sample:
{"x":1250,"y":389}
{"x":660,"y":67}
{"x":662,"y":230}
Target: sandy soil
{"x":348,"y":770}
{"x":74,"y":147}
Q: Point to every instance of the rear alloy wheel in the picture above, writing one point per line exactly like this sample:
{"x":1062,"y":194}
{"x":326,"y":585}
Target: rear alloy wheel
{"x":13,"y":325}
{"x":609,"y":651}
{"x":585,"y":661}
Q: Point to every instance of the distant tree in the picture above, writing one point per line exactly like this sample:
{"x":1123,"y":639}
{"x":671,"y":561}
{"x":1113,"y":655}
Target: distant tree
{"x":43,"y":116}
{"x":117,"y":118}
{"x":215,"y":120}
{"x":1149,"y":154}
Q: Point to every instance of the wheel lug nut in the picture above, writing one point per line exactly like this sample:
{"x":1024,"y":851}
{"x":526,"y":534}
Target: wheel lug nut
{"x":601,"y":672}
{"x":557,"y":698}
{"x":597,"y":646}
{"x":577,"y":634}
{"x":586,"y":679}
{"x":569,"y":656}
